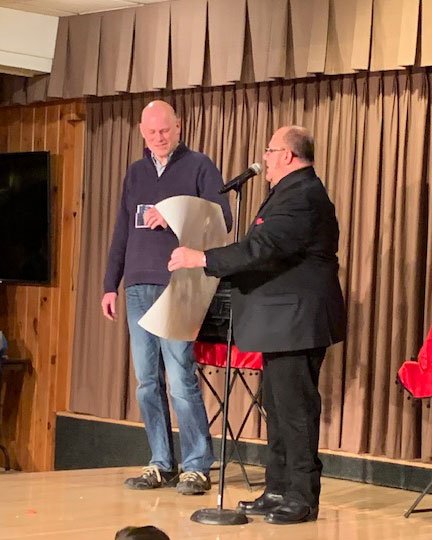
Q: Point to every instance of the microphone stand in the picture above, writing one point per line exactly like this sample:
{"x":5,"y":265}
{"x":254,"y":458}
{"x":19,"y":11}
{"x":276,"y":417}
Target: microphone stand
{"x":221,"y":515}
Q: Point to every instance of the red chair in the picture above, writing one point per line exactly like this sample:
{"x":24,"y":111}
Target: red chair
{"x":415,"y":376}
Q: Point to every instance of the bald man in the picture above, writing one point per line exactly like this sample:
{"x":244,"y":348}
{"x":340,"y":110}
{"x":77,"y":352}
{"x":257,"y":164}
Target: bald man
{"x":287,"y":303}
{"x":140,"y":249}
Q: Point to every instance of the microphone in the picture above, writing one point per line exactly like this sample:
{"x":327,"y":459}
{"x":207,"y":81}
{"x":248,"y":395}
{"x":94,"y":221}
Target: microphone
{"x":239,"y":180}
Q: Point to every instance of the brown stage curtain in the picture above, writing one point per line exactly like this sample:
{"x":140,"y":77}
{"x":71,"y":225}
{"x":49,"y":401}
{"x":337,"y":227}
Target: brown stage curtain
{"x":374,"y":154}
{"x":226,"y":28}
{"x":182,"y":44}
{"x":16,"y":90}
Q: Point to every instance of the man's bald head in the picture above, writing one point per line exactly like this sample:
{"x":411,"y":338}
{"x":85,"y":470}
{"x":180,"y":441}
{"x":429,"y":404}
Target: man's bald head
{"x":158,"y":108}
{"x":160,"y":128}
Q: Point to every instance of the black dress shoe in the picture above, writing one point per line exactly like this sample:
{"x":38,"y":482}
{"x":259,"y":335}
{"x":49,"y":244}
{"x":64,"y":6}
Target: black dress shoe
{"x":292,"y":512}
{"x":263,"y":505}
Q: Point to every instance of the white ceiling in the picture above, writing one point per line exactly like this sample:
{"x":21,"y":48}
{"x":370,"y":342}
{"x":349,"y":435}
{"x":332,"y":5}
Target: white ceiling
{"x":63,"y":8}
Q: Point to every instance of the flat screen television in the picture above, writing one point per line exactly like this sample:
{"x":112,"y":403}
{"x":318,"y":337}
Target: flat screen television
{"x":25,"y":217}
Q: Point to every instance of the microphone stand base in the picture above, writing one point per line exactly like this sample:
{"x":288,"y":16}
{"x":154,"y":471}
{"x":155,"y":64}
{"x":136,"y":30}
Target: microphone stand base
{"x":218,"y":516}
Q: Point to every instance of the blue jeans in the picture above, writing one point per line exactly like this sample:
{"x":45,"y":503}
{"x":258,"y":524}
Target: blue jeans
{"x":152,"y":357}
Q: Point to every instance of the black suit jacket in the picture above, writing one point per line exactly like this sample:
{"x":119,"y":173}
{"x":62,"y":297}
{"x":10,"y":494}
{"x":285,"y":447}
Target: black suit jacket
{"x":285,"y":289}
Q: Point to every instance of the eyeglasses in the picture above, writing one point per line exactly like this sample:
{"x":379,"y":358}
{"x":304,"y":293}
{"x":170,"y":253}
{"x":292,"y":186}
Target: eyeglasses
{"x":270,"y":150}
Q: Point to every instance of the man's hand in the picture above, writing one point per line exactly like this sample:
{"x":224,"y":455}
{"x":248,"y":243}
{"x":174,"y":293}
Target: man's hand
{"x":109,"y":305}
{"x":153,"y":219}
{"x":184,"y":257}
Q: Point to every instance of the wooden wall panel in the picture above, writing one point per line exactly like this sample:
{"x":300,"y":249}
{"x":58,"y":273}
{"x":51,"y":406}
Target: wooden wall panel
{"x":38,"y":320}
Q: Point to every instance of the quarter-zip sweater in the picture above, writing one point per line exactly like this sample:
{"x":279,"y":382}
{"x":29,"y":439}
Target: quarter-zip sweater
{"x":141,"y":255}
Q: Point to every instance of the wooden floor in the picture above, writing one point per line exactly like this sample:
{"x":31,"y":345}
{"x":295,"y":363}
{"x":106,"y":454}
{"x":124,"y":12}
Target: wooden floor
{"x":93,"y":505}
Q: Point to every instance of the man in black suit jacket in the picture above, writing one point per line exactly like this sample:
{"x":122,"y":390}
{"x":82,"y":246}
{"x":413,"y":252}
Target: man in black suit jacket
{"x":287,"y":303}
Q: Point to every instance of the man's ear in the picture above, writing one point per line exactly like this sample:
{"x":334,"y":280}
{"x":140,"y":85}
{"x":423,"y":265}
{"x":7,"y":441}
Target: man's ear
{"x":288,"y":156}
{"x":141,"y":126}
{"x":292,"y":156}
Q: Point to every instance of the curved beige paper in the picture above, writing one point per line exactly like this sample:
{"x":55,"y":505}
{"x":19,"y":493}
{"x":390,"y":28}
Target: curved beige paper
{"x":180,"y":310}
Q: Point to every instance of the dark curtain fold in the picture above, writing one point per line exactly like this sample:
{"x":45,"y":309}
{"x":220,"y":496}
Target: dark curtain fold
{"x":373,"y":152}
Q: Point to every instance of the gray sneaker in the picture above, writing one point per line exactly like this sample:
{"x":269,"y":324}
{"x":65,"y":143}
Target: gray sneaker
{"x":151,"y":478}
{"x":193,"y":483}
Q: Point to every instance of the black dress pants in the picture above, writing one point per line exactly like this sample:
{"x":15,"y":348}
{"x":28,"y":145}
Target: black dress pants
{"x":293,"y":405}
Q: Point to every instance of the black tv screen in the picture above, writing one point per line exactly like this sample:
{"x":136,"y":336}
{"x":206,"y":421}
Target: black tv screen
{"x":25,"y":217}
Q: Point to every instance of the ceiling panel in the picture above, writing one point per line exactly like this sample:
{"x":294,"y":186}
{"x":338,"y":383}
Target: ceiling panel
{"x":61,"y":8}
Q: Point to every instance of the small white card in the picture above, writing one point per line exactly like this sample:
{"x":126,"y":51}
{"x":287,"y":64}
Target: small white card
{"x":139,"y":216}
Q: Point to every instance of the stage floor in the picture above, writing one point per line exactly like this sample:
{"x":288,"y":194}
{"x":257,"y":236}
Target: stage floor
{"x":93,"y":505}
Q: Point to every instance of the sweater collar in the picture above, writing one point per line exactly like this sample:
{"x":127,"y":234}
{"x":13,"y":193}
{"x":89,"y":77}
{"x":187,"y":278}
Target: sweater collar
{"x":176,"y":154}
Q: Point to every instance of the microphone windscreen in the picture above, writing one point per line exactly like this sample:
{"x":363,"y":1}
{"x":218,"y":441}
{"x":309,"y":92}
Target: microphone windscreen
{"x":256,"y":167}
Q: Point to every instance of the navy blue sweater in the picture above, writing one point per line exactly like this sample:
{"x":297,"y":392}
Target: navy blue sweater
{"x":142,"y":254}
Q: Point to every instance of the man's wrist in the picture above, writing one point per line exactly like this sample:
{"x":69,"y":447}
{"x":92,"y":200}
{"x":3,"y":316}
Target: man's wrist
{"x":204,"y":260}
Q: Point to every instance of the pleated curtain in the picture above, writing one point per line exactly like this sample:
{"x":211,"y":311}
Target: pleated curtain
{"x":373,"y":153}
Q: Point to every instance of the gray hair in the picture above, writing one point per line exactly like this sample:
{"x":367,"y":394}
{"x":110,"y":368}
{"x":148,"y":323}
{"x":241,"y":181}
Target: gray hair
{"x":301,"y":143}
